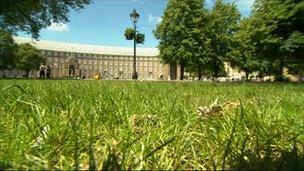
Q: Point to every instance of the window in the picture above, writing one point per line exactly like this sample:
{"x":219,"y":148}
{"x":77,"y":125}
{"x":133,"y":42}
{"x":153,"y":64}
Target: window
{"x":100,"y":62}
{"x":49,"y":53}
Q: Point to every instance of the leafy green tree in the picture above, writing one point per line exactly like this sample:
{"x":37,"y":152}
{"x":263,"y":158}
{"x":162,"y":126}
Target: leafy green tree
{"x":199,"y":62}
{"x":28,"y":57}
{"x":179,"y":32}
{"x":33,"y":15}
{"x":278,"y":35}
{"x":7,"y":49}
{"x":243,"y":55}
{"x":223,"y":21}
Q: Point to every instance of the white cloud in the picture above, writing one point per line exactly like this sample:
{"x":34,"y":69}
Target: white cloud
{"x":154,"y":19}
{"x":60,"y":27}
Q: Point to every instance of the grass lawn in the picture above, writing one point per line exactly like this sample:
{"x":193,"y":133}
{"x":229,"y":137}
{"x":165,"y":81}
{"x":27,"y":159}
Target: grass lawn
{"x":77,"y":124}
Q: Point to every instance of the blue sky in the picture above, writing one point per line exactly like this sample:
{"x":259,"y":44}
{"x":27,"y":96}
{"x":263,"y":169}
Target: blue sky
{"x":103,"y":22}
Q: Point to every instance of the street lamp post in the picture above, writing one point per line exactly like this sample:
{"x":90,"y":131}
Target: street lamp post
{"x":134,"y":17}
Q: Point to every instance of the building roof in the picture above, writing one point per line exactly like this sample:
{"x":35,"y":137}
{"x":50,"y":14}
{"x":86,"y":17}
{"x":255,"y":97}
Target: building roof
{"x":90,"y":49}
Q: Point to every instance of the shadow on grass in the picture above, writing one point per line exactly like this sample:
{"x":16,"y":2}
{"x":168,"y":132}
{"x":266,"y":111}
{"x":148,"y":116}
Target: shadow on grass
{"x":5,"y":165}
{"x":270,"y":159}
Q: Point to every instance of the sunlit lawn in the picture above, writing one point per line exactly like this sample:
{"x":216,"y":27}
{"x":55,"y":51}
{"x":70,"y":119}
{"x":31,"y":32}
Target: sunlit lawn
{"x":77,"y":124}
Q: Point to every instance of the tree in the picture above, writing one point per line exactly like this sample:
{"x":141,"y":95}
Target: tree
{"x":33,"y":15}
{"x":7,"y":48}
{"x":198,"y":63}
{"x":278,"y":35}
{"x":243,"y":55}
{"x":179,"y":32}
{"x":28,"y":57}
{"x":222,"y":24}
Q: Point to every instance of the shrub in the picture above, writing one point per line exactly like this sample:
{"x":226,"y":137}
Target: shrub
{"x":129,"y":33}
{"x":140,"y":38}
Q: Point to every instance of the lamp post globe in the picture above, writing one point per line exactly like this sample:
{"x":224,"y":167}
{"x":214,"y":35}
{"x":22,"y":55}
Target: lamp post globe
{"x":134,"y":17}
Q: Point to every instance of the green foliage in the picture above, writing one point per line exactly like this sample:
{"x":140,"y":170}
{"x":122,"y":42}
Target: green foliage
{"x":197,"y":38}
{"x":223,"y":21}
{"x":28,"y":57}
{"x":277,"y":34}
{"x":179,"y":32}
{"x":130,"y":33}
{"x":7,"y":49}
{"x":32,"y":15}
{"x":242,"y":55}
{"x":140,"y":38}
{"x":69,"y":124}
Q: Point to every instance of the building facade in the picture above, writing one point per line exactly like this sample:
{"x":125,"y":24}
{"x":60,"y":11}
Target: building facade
{"x":86,"y":61}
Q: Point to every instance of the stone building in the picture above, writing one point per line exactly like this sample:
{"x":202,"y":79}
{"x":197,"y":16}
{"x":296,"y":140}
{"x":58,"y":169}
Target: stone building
{"x":85,"y":61}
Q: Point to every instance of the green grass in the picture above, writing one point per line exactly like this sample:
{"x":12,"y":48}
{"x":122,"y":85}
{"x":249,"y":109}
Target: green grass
{"x":80,"y":124}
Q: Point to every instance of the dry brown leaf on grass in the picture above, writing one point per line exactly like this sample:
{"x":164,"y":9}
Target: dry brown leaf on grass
{"x":216,"y":109}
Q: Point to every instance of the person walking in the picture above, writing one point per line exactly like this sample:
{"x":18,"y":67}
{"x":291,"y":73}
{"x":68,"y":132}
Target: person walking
{"x":48,"y":72}
{"x":42,"y":71}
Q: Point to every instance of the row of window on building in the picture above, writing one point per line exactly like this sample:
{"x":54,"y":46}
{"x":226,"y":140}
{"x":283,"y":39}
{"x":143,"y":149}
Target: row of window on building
{"x":103,"y":62}
{"x":50,"y":53}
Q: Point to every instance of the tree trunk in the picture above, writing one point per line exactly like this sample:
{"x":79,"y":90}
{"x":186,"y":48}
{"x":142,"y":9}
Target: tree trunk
{"x":279,"y":75}
{"x":28,"y":74}
{"x":246,"y":74}
{"x":215,"y":69}
{"x":200,"y":73}
{"x":182,"y":68}
{"x":2,"y":73}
